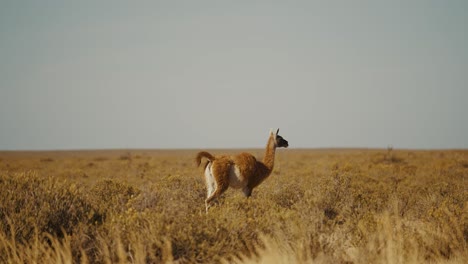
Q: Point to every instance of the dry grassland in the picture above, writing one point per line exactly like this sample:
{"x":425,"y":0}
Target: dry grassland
{"x":321,"y":206}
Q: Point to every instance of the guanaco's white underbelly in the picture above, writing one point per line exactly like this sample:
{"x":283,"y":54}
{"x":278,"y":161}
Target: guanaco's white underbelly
{"x":236,"y":179}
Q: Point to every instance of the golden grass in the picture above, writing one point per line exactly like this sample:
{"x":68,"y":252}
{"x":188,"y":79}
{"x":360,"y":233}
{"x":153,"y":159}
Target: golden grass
{"x":325,"y":206}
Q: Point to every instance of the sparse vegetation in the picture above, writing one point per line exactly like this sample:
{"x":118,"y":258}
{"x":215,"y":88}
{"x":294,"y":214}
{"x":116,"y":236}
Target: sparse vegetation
{"x":339,"y":206}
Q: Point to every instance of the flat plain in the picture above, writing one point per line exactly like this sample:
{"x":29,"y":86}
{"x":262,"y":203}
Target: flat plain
{"x":318,"y":206}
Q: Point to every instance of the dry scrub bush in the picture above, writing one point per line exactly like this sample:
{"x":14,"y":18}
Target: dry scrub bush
{"x":29,"y":202}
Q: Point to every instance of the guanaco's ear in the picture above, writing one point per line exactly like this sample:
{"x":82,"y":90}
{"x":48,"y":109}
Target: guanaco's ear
{"x":277,"y":131}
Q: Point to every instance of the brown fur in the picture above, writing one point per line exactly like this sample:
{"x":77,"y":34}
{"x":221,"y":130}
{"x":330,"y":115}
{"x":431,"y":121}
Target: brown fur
{"x":203,"y":154}
{"x":253,"y":172}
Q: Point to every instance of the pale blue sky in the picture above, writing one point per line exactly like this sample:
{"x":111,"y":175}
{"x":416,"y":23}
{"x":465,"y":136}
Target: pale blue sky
{"x":220,"y":74}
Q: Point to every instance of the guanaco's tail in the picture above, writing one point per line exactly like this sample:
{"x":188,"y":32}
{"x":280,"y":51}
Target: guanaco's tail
{"x":204,"y":154}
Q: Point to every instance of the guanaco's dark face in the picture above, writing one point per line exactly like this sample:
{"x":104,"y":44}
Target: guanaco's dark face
{"x":280,"y":141}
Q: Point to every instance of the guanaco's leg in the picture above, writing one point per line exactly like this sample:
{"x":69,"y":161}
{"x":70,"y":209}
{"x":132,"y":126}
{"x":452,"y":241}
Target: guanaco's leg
{"x":209,"y":180}
{"x":247,"y":191}
{"x":219,"y":190}
{"x":220,"y":171}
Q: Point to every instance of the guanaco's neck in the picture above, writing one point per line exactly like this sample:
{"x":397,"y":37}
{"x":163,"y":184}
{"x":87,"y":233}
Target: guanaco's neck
{"x":269,"y":158}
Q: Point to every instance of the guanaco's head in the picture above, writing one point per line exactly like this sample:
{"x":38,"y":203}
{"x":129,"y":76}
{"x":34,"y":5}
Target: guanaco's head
{"x":280,"y":142}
